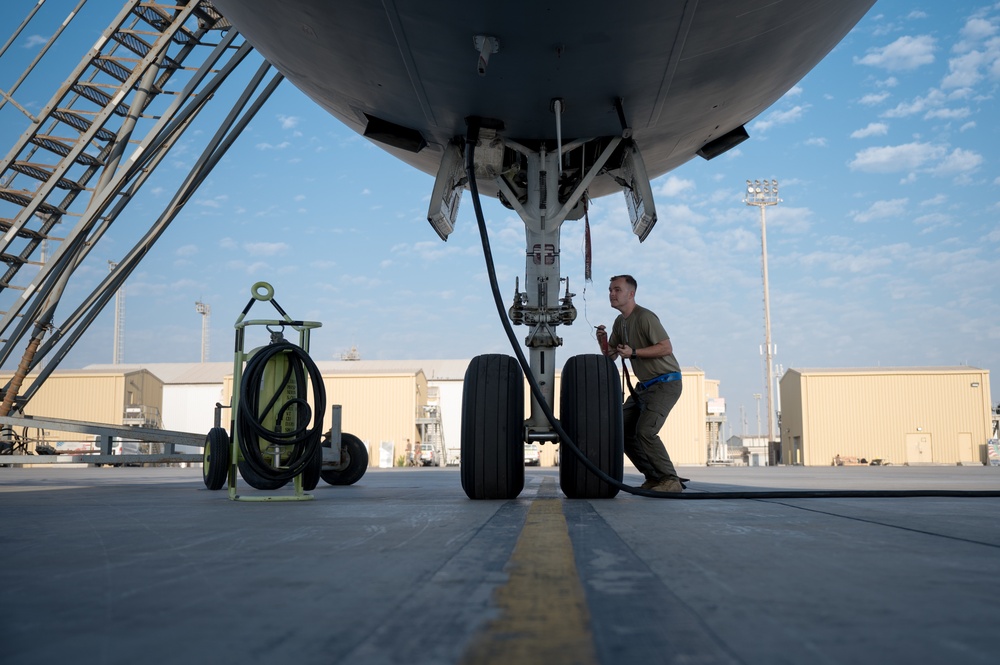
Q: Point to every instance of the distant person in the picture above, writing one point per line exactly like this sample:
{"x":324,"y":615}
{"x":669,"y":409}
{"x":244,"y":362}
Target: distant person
{"x":638,"y":335}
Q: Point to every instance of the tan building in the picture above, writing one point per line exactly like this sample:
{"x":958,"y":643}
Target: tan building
{"x":123,"y":396}
{"x":908,"y":415}
{"x":385,"y":403}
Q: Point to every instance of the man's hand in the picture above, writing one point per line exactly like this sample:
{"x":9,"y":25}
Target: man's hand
{"x":602,"y":339}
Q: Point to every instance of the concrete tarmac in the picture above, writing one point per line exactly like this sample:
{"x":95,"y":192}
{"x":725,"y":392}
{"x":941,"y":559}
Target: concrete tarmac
{"x":145,"y":565}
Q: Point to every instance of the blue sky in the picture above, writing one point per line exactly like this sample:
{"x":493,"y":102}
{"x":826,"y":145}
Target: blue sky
{"x":884,"y":250}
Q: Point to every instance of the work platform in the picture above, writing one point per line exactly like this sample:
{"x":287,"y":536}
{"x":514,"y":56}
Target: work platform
{"x":125,"y":565}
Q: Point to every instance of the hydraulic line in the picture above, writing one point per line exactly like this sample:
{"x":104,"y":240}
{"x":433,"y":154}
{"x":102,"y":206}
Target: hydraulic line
{"x":470,"y":147}
{"x":300,"y":443}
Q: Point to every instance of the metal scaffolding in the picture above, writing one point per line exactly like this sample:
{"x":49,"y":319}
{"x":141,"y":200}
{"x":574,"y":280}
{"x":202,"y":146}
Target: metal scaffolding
{"x":83,"y":158}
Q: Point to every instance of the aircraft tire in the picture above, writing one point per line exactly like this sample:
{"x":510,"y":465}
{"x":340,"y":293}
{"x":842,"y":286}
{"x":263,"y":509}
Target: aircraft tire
{"x":215,"y":466}
{"x":492,"y":442}
{"x":590,"y":411}
{"x":353,"y":449}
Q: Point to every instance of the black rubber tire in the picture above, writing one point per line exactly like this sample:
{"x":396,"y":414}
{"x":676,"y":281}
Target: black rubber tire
{"x":216,"y":458}
{"x":257,"y":481}
{"x":590,"y":411}
{"x":492,"y":442}
{"x":310,"y":476}
{"x":354,"y":450}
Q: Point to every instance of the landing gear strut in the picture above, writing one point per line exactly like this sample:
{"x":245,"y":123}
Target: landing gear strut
{"x":544,"y":191}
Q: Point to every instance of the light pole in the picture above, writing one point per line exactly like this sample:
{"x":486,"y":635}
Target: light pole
{"x":205,"y":311}
{"x":763,"y":194}
{"x":756,"y":396}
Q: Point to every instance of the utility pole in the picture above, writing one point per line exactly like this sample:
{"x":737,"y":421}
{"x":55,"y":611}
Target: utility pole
{"x":205,"y":312}
{"x":763,"y":194}
{"x":756,"y":396}
{"x":118,"y":353}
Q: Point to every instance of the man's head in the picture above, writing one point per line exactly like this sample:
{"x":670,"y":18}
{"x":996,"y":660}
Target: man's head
{"x":621,"y":292}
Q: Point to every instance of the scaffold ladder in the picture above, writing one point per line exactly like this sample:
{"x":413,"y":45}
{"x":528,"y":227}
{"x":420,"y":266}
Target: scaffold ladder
{"x":81,"y":161}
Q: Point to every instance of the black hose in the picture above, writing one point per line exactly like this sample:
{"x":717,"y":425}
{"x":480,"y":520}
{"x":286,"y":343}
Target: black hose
{"x":564,"y":439}
{"x":299,"y":444}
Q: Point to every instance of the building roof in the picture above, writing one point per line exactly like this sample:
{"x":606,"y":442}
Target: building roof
{"x":173,"y":373}
{"x":439,"y":370}
{"x":948,"y":369}
{"x":90,"y":370}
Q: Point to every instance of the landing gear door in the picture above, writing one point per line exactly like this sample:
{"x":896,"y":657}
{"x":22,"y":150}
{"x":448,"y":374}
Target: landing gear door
{"x":638,"y":192}
{"x":447,"y":194}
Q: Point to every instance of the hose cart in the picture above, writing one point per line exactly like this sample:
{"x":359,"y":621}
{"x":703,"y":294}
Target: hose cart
{"x":278,"y":406}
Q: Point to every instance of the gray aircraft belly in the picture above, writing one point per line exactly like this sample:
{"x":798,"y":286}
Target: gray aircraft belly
{"x":688,"y":72}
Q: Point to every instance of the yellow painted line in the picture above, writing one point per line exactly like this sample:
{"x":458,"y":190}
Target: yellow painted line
{"x":543,"y":612}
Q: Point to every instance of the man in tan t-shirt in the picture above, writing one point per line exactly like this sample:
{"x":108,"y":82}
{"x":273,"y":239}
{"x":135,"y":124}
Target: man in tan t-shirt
{"x":638,"y":335}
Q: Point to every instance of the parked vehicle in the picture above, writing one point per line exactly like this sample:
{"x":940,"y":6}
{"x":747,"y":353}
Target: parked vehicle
{"x":429,"y":456}
{"x":531,"y":454}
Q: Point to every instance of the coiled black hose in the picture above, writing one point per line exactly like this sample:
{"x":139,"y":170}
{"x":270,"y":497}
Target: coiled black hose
{"x":301,"y":443}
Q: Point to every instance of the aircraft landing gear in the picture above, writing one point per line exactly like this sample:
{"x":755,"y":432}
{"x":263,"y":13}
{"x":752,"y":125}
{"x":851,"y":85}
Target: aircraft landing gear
{"x":544,"y":188}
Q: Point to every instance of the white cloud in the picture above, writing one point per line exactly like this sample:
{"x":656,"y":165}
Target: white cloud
{"x":978,"y":29}
{"x":34,"y":40}
{"x":948,"y":114}
{"x":675,"y":186}
{"x":905,"y":53}
{"x":265,"y":248}
{"x":288,"y":121}
{"x":934,"y":99}
{"x":935,"y":201}
{"x":958,"y":161}
{"x":881,"y":210}
{"x":780,"y":118}
{"x":895,"y":158}
{"x":269,"y":146}
{"x":934,"y":221}
{"x":916,"y":13}
{"x":873,"y":129}
{"x":964,"y":70}
{"x":214,"y":202}
{"x":818,"y":141}
{"x":874,"y":98}
{"x":186,"y":250}
{"x":969,"y":125}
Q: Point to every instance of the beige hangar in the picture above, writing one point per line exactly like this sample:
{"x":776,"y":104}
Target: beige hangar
{"x":902,"y":415}
{"x":110,"y":396}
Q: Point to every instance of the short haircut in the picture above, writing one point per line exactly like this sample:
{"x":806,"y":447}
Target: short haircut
{"x":629,"y":279}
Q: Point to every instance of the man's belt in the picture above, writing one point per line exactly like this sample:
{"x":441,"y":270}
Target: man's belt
{"x":663,"y":378}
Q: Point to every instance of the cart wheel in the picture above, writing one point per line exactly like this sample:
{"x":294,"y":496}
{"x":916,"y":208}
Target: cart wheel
{"x":310,"y":476}
{"x":257,"y":481}
{"x":215,"y":466}
{"x":354,"y":461}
